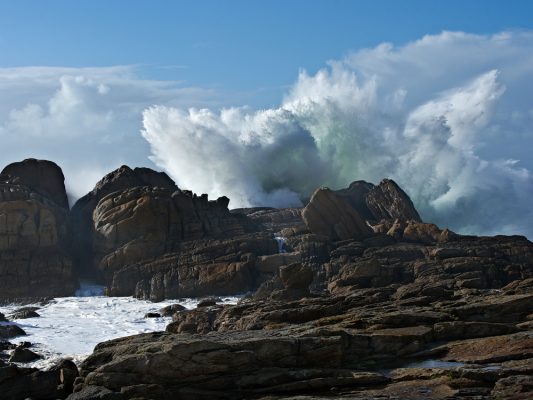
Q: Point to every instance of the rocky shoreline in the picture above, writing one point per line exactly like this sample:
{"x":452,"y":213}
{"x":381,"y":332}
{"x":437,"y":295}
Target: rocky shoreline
{"x":366,"y":301}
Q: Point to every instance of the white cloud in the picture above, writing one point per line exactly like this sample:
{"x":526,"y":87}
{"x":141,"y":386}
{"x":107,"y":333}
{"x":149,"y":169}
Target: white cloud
{"x":447,"y":116}
{"x":85,"y":119}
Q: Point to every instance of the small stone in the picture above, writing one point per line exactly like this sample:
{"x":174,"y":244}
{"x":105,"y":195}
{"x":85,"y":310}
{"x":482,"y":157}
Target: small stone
{"x":11,"y":331}
{"x":168,"y":311}
{"x":21,"y":354}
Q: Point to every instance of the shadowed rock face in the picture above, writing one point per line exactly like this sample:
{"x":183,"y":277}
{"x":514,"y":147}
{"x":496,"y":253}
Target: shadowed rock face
{"x":389,"y":201}
{"x":347,"y":213}
{"x":34,"y":238}
{"x":329,"y":214}
{"x":40,"y":176}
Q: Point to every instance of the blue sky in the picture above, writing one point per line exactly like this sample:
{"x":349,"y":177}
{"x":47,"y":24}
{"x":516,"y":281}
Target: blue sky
{"x":263,"y":101}
{"x":249,"y":49}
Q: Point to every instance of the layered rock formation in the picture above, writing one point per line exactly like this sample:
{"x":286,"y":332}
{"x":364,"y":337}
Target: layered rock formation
{"x":362,"y":299}
{"x":123,"y":178}
{"x":34,"y":239}
{"x":445,"y":320}
{"x":145,"y":237}
{"x":348,"y":213}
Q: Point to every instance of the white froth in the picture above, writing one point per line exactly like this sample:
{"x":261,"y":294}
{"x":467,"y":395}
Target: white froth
{"x":70,"y":327}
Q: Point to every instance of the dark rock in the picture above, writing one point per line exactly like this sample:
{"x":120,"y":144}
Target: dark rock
{"x":145,"y":237}
{"x":288,"y":221}
{"x":170,"y":310}
{"x":98,"y":393}
{"x":152,"y":315}
{"x":197,"y":268}
{"x":389,"y":201}
{"x":454,"y":330}
{"x":233,"y":365}
{"x":330,"y":215}
{"x":296,"y":276}
{"x":207,"y":302}
{"x":11,"y":331}
{"x":24,"y":313}
{"x":21,"y":383}
{"x":68,"y":372}
{"x":41,"y":176}
{"x":23,"y":355}
{"x":4,"y":345}
{"x":123,"y":178}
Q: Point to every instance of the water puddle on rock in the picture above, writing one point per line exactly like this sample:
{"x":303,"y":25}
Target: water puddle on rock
{"x":434,"y":364}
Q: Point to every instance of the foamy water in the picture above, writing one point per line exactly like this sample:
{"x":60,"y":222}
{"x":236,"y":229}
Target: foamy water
{"x":70,"y":327}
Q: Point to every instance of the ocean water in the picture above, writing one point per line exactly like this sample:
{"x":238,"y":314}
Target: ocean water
{"x":70,"y":327}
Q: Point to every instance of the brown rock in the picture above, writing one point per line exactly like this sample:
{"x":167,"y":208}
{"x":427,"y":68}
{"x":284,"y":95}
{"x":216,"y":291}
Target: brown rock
{"x":296,"y":276}
{"x":330,"y":215}
{"x":41,"y":176}
{"x":492,"y":349}
{"x":514,"y":387}
{"x":146,"y":237}
{"x":34,"y":235}
{"x":122,"y":178}
{"x":388,"y":201}
{"x":232,"y":365}
{"x":466,"y":330}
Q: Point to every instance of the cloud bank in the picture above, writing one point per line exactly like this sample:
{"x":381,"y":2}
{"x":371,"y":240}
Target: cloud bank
{"x":449,"y":117}
{"x":85,"y":119}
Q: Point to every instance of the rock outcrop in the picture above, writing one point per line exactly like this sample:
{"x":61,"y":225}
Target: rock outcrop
{"x":350,"y":213}
{"x":82,"y":223}
{"x":42,"y":177}
{"x":18,"y":383}
{"x":34,"y":232}
{"x":329,"y":214}
{"x":388,"y":201}
{"x":145,"y":237}
{"x":448,"y":320}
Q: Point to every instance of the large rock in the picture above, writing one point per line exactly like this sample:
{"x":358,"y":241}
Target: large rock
{"x":143,"y":236}
{"x":41,"y":176}
{"x":82,"y":223}
{"x":389,"y":201}
{"x":348,"y":213}
{"x":17,"y":383}
{"x":143,"y":222}
{"x":167,"y":241}
{"x":227,"y":366}
{"x":195,"y":268}
{"x":391,"y":305}
{"x":34,"y":233}
{"x":330,"y":215}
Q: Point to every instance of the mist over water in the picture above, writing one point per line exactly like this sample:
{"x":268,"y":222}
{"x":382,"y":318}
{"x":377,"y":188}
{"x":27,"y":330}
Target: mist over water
{"x":448,"y":117}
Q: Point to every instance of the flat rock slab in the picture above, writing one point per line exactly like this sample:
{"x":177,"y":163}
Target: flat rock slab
{"x":492,"y":349}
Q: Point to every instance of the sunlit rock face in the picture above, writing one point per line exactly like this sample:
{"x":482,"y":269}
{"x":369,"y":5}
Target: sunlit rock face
{"x":143,"y":236}
{"x":34,"y":230}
